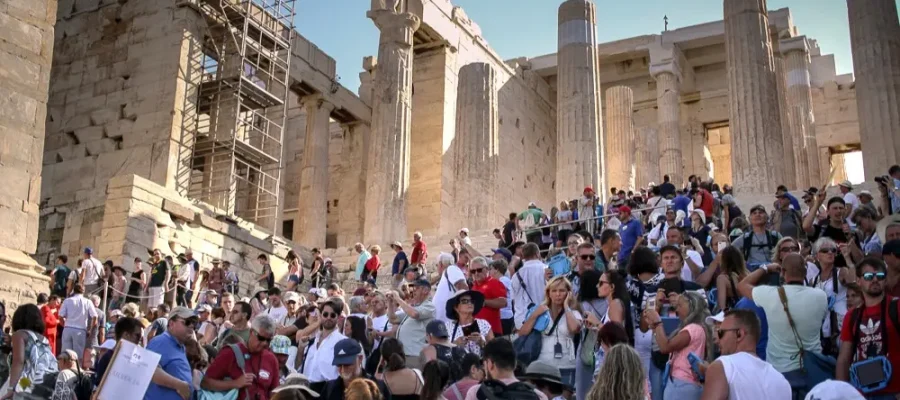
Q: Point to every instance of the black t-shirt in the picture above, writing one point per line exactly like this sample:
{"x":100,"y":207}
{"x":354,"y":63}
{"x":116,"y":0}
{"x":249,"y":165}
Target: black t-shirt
{"x":836,"y":234}
{"x":508,"y":230}
{"x":301,"y":324}
{"x":158,"y":273}
{"x":666,"y":189}
{"x":270,"y":276}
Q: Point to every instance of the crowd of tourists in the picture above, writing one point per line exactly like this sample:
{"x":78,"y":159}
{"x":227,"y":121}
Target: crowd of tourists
{"x":667,"y":293}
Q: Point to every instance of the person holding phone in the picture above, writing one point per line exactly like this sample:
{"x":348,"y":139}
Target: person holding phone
{"x":464,"y":329}
{"x":558,"y":345}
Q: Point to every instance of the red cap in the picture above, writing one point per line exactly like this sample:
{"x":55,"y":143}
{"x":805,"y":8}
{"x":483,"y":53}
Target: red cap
{"x":588,"y":189}
{"x":625,"y":209}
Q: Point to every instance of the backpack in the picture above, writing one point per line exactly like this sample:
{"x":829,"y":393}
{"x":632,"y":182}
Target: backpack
{"x":528,"y":221}
{"x":39,"y":361}
{"x":496,"y":390}
{"x":771,"y":241}
{"x":60,"y":280}
{"x":84,"y":385}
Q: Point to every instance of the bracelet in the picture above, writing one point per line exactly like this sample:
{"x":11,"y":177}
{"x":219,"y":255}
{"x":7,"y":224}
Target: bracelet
{"x":765,"y":268}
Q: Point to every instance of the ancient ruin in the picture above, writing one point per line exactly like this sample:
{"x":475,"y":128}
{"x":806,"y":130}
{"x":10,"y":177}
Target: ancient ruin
{"x":214,"y":125}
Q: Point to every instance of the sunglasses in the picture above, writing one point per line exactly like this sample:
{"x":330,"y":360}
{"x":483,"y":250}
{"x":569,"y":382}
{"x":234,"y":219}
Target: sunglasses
{"x":790,"y":249}
{"x":828,"y":250}
{"x":573,"y":243}
{"x":329,"y":315}
{"x":291,"y":302}
{"x":869,"y":276}
{"x":190,"y":323}
{"x":465,"y":301}
{"x":476,"y":270}
{"x":601,"y":283}
{"x":262,"y":338}
{"x":587,"y":257}
{"x":722,"y":332}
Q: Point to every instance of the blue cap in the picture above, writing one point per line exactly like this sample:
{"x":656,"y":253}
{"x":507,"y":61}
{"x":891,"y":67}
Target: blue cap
{"x":88,"y":250}
{"x":346,"y":351}
{"x":437,"y":329}
{"x":504,"y":252}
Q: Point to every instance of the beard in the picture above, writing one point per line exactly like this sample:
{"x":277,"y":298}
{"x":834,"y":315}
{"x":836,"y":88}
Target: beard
{"x":329,"y":324}
{"x":349,"y":375}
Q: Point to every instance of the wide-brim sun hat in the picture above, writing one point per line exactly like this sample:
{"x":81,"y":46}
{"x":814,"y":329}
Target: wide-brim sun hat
{"x":477,"y":301}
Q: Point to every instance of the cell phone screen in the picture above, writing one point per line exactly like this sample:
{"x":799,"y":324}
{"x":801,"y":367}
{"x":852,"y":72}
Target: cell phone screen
{"x":468,"y":330}
{"x":870,"y":373}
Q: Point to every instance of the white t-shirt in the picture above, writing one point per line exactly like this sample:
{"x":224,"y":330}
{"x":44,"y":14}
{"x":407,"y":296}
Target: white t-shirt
{"x":840,"y":301}
{"x":445,"y":289}
{"x":564,"y":216}
{"x":564,"y":338}
{"x":277,"y":313}
{"x":380,"y":324}
{"x":750,"y":378}
{"x":807,"y":306}
{"x":507,"y":312}
{"x":91,"y":268}
{"x":532,"y":273}
{"x":686,"y":274}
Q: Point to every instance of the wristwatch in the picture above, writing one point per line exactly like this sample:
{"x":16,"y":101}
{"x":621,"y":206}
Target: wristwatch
{"x":765,"y":267}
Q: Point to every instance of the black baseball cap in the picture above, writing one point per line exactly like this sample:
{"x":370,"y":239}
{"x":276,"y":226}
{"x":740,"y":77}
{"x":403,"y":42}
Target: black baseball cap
{"x":437,"y":329}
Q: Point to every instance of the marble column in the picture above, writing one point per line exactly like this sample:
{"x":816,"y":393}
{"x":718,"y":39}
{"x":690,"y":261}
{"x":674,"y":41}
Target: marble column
{"x":388,"y":164}
{"x":312,"y":201}
{"x":476,"y":146}
{"x":757,"y":147}
{"x":801,"y":118}
{"x":646,"y":156}
{"x":668,"y":104}
{"x":352,"y":195}
{"x":619,"y":140}
{"x":787,"y":142}
{"x":579,"y":126}
{"x":875,"y":42}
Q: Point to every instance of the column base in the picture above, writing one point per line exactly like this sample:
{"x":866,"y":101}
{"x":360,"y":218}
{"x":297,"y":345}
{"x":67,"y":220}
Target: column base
{"x":21,"y":279}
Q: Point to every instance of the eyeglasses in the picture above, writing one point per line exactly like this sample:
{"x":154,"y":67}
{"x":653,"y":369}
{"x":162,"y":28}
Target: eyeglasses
{"x":789,"y":249}
{"x":721,"y":332}
{"x":465,"y":301}
{"x":869,"y":276}
{"x":828,"y":250}
{"x":587,"y":257}
{"x":476,"y":270}
{"x":262,"y":338}
{"x":190,"y":323}
{"x":329,"y":315}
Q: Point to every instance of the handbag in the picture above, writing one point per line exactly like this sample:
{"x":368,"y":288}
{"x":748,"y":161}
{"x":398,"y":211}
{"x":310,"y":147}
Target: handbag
{"x":816,"y":367}
{"x":587,"y":352}
{"x":232,"y":394}
{"x":528,"y":348}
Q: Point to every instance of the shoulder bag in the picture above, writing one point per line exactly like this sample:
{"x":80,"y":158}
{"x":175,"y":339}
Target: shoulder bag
{"x":815,"y":367}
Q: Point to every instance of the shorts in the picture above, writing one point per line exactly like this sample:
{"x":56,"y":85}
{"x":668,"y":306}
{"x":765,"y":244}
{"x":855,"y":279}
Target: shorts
{"x":156,"y":296}
{"x":508,"y":325}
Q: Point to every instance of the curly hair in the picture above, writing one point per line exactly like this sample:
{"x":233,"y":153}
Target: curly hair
{"x":362,"y":389}
{"x":621,"y":377}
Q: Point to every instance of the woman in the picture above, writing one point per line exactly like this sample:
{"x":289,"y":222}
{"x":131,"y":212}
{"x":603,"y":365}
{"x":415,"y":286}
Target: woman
{"x":402,"y":382}
{"x":691,"y":336}
{"x":197,"y":359}
{"x":362,"y":389}
{"x":473,"y":367}
{"x":564,"y":218}
{"x":558,"y":346}
{"x":118,"y":288}
{"x":717,"y":242}
{"x":371,"y":269}
{"x":822,"y":276}
{"x":593,"y":306}
{"x":436,"y":375}
{"x":137,"y":285}
{"x":50,"y":314}
{"x":355,"y":328}
{"x":730,"y":210}
{"x":295,"y":270}
{"x":201,"y":285}
{"x":609,"y":335}
{"x":622,"y":376}
{"x":700,"y":231}
{"x":31,"y":354}
{"x":211,"y":329}
{"x":259,"y":302}
{"x":612,"y":288}
{"x":466,"y":331}
{"x":734,"y":269}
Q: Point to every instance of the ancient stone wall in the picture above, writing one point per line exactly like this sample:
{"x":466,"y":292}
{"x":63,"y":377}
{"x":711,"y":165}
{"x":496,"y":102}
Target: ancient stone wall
{"x":116,"y":106}
{"x":834,"y":105}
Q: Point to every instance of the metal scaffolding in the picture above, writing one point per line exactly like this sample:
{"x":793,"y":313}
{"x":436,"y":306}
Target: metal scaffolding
{"x":236,"y":127}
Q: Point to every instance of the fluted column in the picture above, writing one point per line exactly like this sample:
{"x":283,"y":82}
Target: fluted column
{"x":787,"y":141}
{"x":875,"y":42}
{"x":476,"y":146}
{"x":757,"y":147}
{"x":388,"y":169}
{"x":668,"y":105}
{"x":619,"y":140}
{"x":801,"y":118}
{"x":579,"y":144}
{"x":312,"y":200}
{"x":646,"y":156}
{"x":352,"y":195}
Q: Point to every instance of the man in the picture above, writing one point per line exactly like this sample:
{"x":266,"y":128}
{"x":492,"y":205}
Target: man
{"x":361,"y":260}
{"x":176,"y":382}
{"x":451,"y":280}
{"x":807,"y":305}
{"x":782,"y":191}
{"x":381,"y":322}
{"x":851,"y":202}
{"x":501,"y":254}
{"x":494,"y":293}
{"x":419,"y":253}
{"x":411,"y":318}
{"x":673,"y":282}
{"x":659,"y":230}
{"x":267,"y":277}
{"x":584,"y":261}
{"x":890,"y":252}
{"x":160,"y":322}
{"x":464,"y":237}
{"x":127,"y":329}
{"x":318,"y":361}
{"x":400,"y":262}
{"x":216,"y":278}
{"x":867,"y":200}
{"x":866,"y":222}
{"x":739,"y":374}
{"x":227,"y":303}
{"x":666,"y":189}
{"x":93,"y":272}
{"x":757,"y":245}
{"x":79,"y":316}
{"x":292,"y":321}
{"x":630,"y":231}
{"x":232,"y":282}
{"x":348,"y":358}
{"x":692,"y":260}
{"x":866,"y":329}
{"x":528,"y":283}
{"x":545,"y":377}
{"x":498,"y":271}
{"x":260,"y":372}
{"x":60,"y":277}
{"x":835,"y":226}
{"x":499,"y":236}
{"x":97,"y":334}
{"x":159,"y":279}
{"x":187,"y":279}
{"x":500,"y":364}
{"x":277,"y":311}
{"x":786,"y":219}
{"x":530,"y":221}
{"x":610,"y":244}
{"x":317,"y":271}
{"x":509,"y":230}
{"x":240,"y":323}
{"x":889,"y":190}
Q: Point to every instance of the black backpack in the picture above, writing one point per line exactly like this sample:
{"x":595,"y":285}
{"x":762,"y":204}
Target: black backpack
{"x":771,"y":241}
{"x":496,"y":390}
{"x":60,"y":280}
{"x":84,"y":385}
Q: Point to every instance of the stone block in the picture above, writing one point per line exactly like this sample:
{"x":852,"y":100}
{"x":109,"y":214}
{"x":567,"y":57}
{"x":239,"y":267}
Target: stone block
{"x":122,"y":162}
{"x":104,"y":116}
{"x":20,"y":33}
{"x":178,"y":210}
{"x":102,"y":146}
{"x":211,"y":223}
{"x":89,"y":134}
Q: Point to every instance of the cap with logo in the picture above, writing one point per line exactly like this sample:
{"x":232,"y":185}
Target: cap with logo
{"x":437,"y":328}
{"x":346,"y":351}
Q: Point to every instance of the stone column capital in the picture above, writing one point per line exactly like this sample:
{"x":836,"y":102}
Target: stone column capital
{"x":797,"y":43}
{"x":668,"y":66}
{"x":390,"y":21}
{"x":665,"y":58}
{"x":317,"y":101}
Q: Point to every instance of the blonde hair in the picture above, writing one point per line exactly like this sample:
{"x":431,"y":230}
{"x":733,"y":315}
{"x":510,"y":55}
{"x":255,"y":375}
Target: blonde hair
{"x":553,"y":282}
{"x":776,"y":254}
{"x":375,"y":249}
{"x":362,"y":389}
{"x":621,"y":377}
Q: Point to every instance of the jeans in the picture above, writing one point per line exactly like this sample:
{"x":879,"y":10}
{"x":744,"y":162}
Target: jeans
{"x":568,"y":376}
{"x":656,"y":382}
{"x":584,"y":379}
{"x":678,"y":389}
{"x":797,"y":379}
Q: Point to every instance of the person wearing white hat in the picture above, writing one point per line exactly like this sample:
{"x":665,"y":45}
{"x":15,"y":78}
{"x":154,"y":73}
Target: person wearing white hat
{"x":852,"y":202}
{"x":464,"y":236}
{"x":834,"y":390}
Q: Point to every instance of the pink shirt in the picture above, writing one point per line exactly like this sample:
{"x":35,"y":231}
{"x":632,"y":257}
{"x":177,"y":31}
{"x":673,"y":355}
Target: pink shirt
{"x":681,"y":367}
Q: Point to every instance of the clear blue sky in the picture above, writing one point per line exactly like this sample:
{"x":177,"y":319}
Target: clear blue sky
{"x":516,"y":28}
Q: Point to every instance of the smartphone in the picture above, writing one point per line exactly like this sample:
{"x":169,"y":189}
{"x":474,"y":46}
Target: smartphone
{"x":651,"y":303}
{"x":468,"y":330}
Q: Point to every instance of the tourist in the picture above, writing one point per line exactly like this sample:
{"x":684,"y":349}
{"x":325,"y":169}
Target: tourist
{"x":509,"y":231}
{"x":240,"y":324}
{"x":79,"y":316}
{"x":31,"y":357}
{"x":631,"y":232}
{"x":211,"y":328}
{"x":564,"y":218}
{"x":493,"y":291}
{"x":400,"y":381}
{"x":137,"y":283}
{"x":435,"y":377}
{"x":870,"y":331}
{"x":608,"y":336}
{"x":658,"y":233}
{"x":786,"y":219}
{"x":381,"y":323}
{"x":622,"y":377}
{"x":700,"y":231}
{"x":530,"y":220}
{"x":612,"y":288}
{"x":644,"y":276}
{"x":866,"y":222}
{"x":757,"y":244}
{"x":295,"y":270}
{"x":276,"y":310}
{"x":610,"y":245}
{"x":159,"y":279}
{"x":558,"y":345}
{"x":500,"y":363}
{"x":176,"y":382}
{"x":890,"y":252}
{"x":545,"y":377}
{"x":822,"y":276}
{"x":319,"y":357}
{"x":739,"y":374}
{"x":372,"y":264}
{"x":187,"y":279}
{"x":92,"y":272}
{"x":127,"y":329}
{"x":347,"y":358}
{"x":465,"y":330}
{"x":399,"y":264}
{"x":59,"y":276}
{"x":362,"y":389}
{"x":411,"y":318}
{"x":318,"y":272}
{"x":730,"y":210}
{"x":734,"y":269}
{"x":691,"y":257}
{"x":691,"y":336}
{"x":259,"y":302}
{"x":807,"y":306}
{"x":49,"y":306}
{"x":498,"y":271}
{"x":260,"y":373}
{"x":528,"y":283}
{"x":160,"y":322}
{"x":593,"y":308}
{"x":267,"y":277}
{"x":451,"y":280}
{"x":294,"y":387}
{"x":216,"y":278}
{"x":67,"y":364}
{"x":439,"y":347}
{"x":834,"y":227}
{"x":96,"y":334}
{"x":473,"y":368}
{"x":361,"y":261}
{"x":419,"y":255}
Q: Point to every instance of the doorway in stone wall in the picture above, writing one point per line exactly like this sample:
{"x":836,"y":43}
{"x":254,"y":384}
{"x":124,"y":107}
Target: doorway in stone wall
{"x":719,"y":141}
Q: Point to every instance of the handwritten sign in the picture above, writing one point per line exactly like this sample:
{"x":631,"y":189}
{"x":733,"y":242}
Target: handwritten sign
{"x":129,"y":372}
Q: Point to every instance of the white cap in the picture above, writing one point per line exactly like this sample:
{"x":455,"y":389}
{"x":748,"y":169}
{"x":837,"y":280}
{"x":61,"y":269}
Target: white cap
{"x":834,"y":390}
{"x":713,"y":319}
{"x":109,"y":344}
{"x":466,"y":230}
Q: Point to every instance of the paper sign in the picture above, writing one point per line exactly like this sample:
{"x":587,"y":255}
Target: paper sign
{"x":128,"y":374}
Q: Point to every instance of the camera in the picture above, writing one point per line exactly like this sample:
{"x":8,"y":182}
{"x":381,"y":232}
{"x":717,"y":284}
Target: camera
{"x":883,"y":180}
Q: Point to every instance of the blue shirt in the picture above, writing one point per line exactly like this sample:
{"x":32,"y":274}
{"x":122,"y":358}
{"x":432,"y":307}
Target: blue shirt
{"x":173,"y":361}
{"x":395,"y":267}
{"x":793,"y":200}
{"x":681,"y":202}
{"x":748,"y":304}
{"x":630,"y":232}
